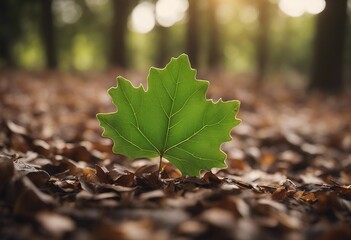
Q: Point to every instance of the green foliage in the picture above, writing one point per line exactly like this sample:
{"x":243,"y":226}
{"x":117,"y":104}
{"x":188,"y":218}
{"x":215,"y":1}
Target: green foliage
{"x":172,"y":119}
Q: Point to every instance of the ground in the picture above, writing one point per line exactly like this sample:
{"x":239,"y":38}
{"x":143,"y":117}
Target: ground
{"x":288,"y":175}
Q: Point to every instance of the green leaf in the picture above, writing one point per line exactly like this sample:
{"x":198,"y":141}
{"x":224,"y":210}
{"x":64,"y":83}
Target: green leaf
{"x":171,"y":119}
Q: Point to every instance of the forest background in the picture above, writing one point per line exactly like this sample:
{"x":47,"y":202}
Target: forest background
{"x":302,"y":43}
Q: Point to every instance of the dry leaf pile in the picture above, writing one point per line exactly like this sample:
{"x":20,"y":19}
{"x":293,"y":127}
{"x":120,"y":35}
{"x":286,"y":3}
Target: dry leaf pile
{"x":288,"y":175}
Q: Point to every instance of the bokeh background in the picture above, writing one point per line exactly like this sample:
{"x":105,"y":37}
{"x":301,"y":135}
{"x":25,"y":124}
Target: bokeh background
{"x":289,"y":164}
{"x":300,"y":42}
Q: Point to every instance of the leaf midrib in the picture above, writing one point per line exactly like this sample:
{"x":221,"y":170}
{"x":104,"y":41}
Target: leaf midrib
{"x":170,"y":116}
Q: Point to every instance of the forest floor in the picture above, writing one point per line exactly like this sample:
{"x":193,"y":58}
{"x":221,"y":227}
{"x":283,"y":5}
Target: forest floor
{"x":288,"y":175}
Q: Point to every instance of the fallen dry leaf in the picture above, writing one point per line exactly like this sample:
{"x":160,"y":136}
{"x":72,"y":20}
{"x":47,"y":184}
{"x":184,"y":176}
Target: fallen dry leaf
{"x":288,"y":175}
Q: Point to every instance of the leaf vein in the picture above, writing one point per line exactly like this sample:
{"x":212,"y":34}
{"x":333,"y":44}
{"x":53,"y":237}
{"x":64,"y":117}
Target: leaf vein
{"x":196,"y":133}
{"x":172,"y":106}
{"x":137,"y":122}
{"x":125,"y":139}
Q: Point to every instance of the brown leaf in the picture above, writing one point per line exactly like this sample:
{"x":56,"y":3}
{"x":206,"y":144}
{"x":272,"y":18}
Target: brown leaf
{"x":237,"y":164}
{"x":30,"y":199}
{"x":55,"y":224}
{"x":169,"y":171}
{"x":14,"y":128}
{"x":280,"y":194}
{"x":218,"y":217}
{"x":121,"y":176}
{"x":192,"y":228}
{"x":309,"y":197}
{"x":155,"y":194}
{"x":211,"y":179}
{"x":102,"y":174}
{"x":344,"y":191}
{"x":7,"y":170}
{"x":76,"y":152}
{"x":41,"y":147}
{"x":37,"y":176}
{"x":148,"y":176}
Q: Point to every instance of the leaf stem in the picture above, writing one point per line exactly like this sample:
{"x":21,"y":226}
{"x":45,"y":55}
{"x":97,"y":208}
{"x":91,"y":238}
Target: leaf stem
{"x":160,"y":165}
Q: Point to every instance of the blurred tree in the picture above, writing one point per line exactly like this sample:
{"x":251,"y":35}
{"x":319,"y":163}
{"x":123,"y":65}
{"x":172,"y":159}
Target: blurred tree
{"x":48,"y":34}
{"x":162,"y":56}
{"x":214,"y":55}
{"x":121,"y":12}
{"x":262,"y":44}
{"x":10,"y":30}
{"x":327,"y":66}
{"x":192,"y":35}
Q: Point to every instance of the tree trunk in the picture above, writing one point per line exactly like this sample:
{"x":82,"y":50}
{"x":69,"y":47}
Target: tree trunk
{"x":192,"y":36}
{"x":329,"y":44}
{"x":5,"y":33}
{"x":48,"y":34}
{"x":121,"y":11}
{"x":214,"y":55}
{"x":262,"y":43}
{"x":162,"y":56}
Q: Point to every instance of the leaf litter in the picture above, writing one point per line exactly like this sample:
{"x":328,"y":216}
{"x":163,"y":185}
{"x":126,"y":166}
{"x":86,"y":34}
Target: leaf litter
{"x":288,"y":175}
